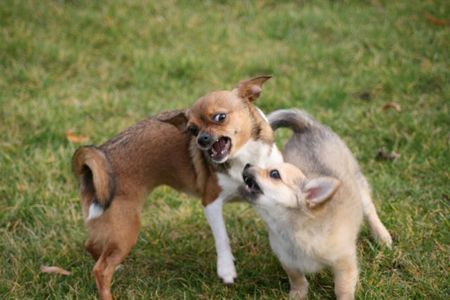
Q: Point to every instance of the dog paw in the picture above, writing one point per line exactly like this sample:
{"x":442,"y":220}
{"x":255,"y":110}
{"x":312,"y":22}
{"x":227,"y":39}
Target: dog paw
{"x":226,"y":270}
{"x":385,"y":237}
{"x":119,"y":268}
{"x":298,"y":294}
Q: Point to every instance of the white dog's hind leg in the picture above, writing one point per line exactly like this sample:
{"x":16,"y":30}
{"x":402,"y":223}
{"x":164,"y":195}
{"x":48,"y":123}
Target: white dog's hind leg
{"x":225,"y":260}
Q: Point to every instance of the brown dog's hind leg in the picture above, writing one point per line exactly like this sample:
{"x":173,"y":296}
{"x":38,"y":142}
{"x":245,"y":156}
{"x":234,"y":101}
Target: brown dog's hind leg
{"x":120,"y":240}
{"x":93,"y":250}
{"x":104,"y":270}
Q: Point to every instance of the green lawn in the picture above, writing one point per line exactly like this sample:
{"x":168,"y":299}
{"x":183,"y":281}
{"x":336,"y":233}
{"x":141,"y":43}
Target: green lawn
{"x":99,"y":66}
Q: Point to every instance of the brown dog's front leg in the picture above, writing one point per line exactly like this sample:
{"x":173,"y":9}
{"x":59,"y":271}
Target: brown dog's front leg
{"x":225,"y":260}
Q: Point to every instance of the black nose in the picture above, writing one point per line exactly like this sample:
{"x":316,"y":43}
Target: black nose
{"x":247,"y":175}
{"x":204,"y":139}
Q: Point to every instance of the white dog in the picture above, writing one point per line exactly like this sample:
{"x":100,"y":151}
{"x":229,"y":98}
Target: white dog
{"x":313,"y":205}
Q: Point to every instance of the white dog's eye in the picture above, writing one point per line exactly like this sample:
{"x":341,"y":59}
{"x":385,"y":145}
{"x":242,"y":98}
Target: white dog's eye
{"x":274,"y":174}
{"x":219,"y":118}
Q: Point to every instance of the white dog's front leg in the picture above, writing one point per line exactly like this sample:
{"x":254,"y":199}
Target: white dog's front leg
{"x":225,"y":259}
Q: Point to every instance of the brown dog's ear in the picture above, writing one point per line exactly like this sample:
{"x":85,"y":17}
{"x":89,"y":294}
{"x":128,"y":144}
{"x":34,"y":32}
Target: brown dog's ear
{"x":177,"y":118}
{"x":251,"y":89}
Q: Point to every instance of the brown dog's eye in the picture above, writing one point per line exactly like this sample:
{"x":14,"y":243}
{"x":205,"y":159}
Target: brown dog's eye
{"x":193,"y":130}
{"x":219,"y":118}
{"x":275,"y":174}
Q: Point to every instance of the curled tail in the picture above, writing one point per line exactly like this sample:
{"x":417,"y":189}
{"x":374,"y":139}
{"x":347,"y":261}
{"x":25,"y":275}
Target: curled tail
{"x":295,"y":119}
{"x":95,"y":175}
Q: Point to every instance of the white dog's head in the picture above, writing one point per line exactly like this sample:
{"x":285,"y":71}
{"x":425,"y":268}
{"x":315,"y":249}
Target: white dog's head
{"x":284,"y":184}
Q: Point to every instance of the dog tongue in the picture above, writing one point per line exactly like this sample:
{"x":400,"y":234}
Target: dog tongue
{"x":217,"y":146}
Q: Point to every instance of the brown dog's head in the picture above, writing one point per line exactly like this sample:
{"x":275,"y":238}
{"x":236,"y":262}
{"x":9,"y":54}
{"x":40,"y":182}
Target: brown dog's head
{"x":223,"y":121}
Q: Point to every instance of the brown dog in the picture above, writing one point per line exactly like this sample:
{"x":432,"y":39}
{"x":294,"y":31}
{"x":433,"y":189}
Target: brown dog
{"x":224,"y":132}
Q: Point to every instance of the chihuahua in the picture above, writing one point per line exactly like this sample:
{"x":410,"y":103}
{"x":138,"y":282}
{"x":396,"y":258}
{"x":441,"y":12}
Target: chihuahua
{"x":200,"y":151}
{"x":313,"y":204}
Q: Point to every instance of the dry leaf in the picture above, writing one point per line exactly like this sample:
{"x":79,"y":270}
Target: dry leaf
{"x":74,"y":138}
{"x":394,"y":155}
{"x":54,"y":269}
{"x":382,"y":154}
{"x":435,"y":21}
{"x":392,"y":105}
{"x":365,"y":96}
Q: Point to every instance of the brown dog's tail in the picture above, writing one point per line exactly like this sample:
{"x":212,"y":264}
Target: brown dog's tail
{"x":95,"y":175}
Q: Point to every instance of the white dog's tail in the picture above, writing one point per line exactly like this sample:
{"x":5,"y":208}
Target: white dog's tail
{"x":295,"y":119}
{"x":378,"y":229}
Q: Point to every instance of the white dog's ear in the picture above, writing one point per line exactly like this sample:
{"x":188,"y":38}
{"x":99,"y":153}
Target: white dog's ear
{"x":319,"y":189}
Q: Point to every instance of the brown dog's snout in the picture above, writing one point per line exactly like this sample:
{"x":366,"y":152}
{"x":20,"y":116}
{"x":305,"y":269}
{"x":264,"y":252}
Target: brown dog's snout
{"x":204,"y":140}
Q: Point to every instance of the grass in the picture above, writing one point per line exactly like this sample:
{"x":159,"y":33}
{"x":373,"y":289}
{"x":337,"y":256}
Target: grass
{"x":97,"y":67}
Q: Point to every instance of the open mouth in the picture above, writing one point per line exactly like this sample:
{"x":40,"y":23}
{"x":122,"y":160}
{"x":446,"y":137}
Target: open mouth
{"x":220,"y":149}
{"x":251,"y":185}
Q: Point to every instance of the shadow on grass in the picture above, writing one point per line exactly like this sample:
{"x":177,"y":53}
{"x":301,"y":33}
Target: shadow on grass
{"x":163,"y":266}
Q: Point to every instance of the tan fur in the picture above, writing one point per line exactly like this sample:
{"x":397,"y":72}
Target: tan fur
{"x":291,"y":176}
{"x":314,"y":204}
{"x":319,"y":236}
{"x":123,"y":171}
{"x":251,"y":91}
{"x":238,"y":126}
{"x":299,"y":284}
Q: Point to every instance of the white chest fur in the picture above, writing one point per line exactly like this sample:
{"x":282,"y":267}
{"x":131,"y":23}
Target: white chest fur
{"x":296,"y":249}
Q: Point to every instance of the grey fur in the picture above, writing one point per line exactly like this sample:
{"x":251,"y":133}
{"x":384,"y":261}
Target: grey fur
{"x":318,"y":151}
